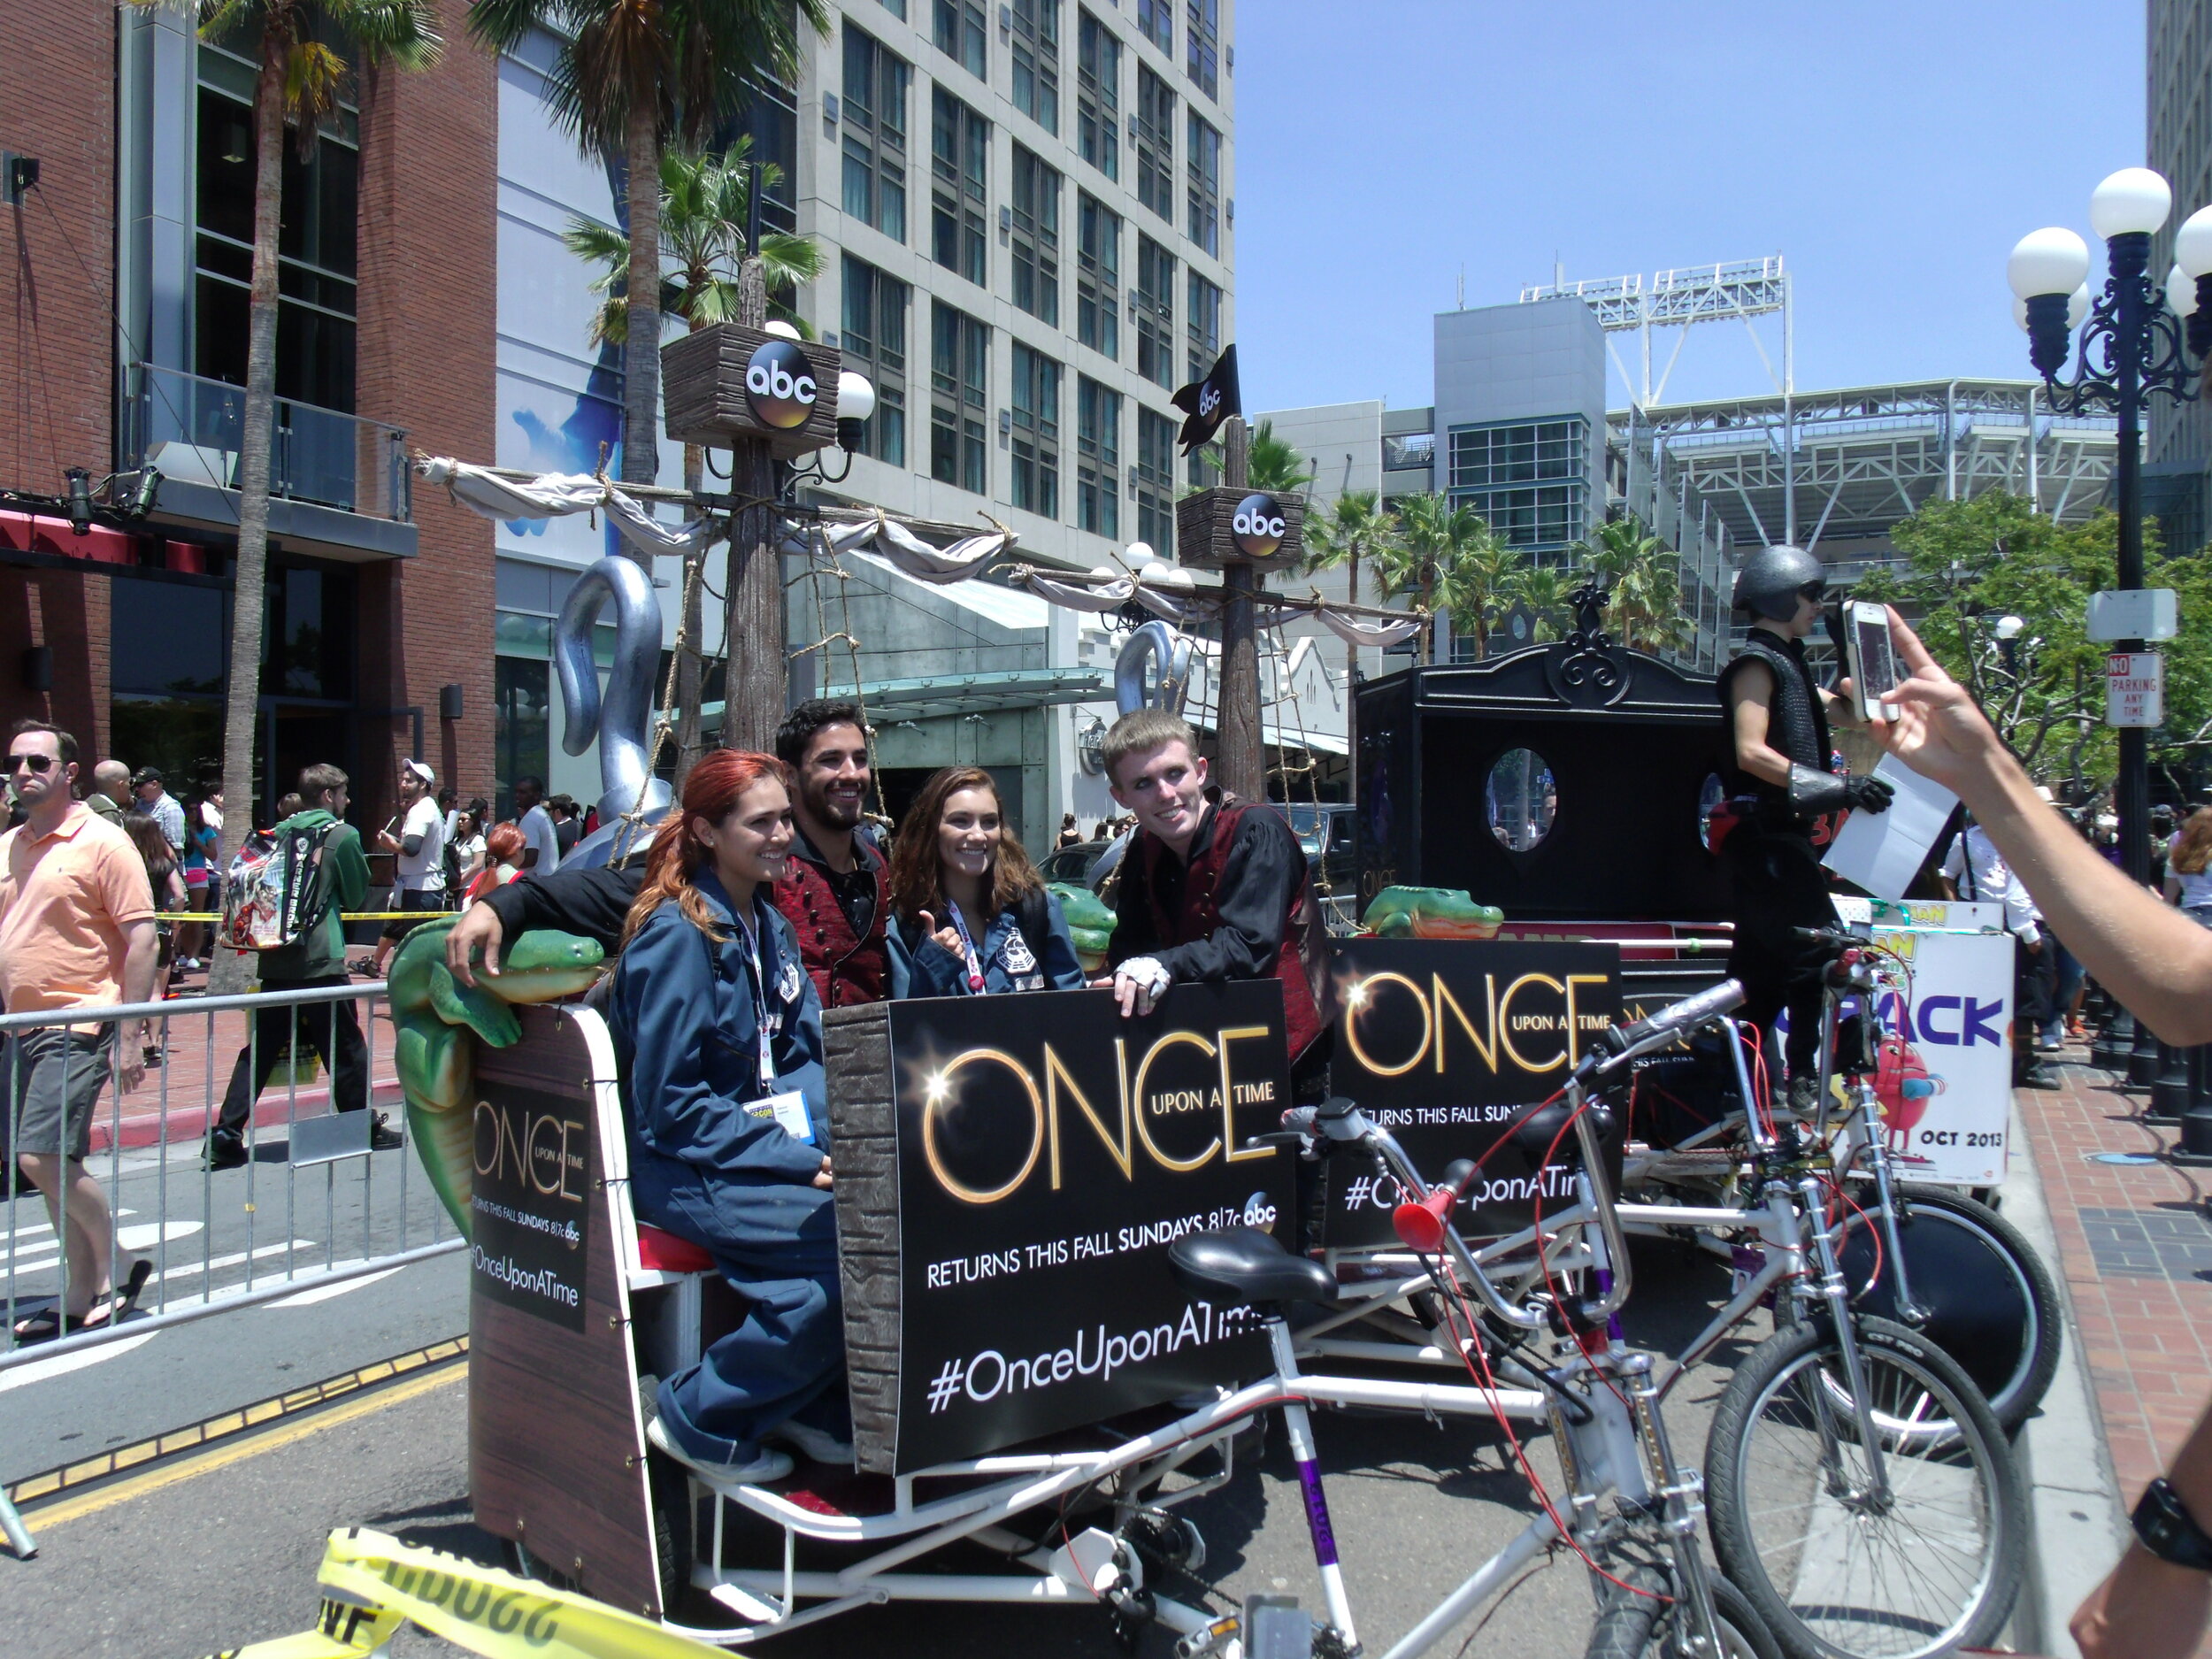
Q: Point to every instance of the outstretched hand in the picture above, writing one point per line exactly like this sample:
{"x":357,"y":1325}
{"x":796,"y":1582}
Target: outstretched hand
{"x":478,"y":929}
{"x":1937,"y":732}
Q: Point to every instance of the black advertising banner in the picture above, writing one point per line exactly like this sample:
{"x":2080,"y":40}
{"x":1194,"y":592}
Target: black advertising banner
{"x":1206,"y":403}
{"x":528,"y":1208}
{"x":1049,"y":1153}
{"x":1444,"y":1042}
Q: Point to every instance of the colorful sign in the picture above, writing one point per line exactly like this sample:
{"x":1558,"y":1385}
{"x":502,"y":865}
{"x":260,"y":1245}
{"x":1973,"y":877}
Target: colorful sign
{"x":529,"y":1206}
{"x":1956,"y":1033}
{"x":1049,"y":1153}
{"x":1445,"y":1043}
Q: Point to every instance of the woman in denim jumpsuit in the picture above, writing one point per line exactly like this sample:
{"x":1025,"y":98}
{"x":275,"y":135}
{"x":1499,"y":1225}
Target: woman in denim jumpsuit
{"x":1001,"y":929}
{"x":719,"y":1036}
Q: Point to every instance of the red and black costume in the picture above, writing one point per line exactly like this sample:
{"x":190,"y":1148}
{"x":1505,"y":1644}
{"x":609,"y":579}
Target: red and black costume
{"x":1231,"y":911}
{"x":839,"y":917}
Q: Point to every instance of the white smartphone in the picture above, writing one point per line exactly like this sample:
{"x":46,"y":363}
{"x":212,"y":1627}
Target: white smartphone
{"x":1873,"y":664}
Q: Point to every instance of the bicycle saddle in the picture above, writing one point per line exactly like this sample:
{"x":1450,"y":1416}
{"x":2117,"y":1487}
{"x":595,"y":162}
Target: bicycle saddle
{"x":1245,"y":1264}
{"x":1539,"y":1129}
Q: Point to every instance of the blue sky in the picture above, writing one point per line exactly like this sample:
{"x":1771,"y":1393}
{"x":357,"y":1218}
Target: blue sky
{"x":1893,"y":153}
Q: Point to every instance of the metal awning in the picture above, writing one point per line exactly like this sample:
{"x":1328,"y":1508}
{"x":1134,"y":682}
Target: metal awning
{"x":937,"y":696}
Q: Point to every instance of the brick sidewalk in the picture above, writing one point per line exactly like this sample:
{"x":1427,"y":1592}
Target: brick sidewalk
{"x":2137,"y":1249}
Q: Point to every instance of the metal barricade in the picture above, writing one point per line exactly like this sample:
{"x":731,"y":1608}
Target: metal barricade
{"x":312,"y":1204}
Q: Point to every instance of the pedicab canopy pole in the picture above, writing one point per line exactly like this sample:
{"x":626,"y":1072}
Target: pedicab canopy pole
{"x":373,"y":1584}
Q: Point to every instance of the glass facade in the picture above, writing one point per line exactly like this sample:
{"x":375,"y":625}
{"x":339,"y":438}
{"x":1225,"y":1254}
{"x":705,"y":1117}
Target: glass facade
{"x":959,"y":398}
{"x":1155,"y":21}
{"x":1154,"y":302}
{"x":874,"y":342}
{"x":1036,"y":431}
{"x":1203,"y":197}
{"x":1154,"y":481}
{"x":1155,"y":143}
{"x":1098,"y":459}
{"x":876,"y":86}
{"x":960,"y":163}
{"x":960,"y":34}
{"x":1034,"y":237}
{"x":1201,"y":29}
{"x":1036,"y":37}
{"x":1098,"y":276}
{"x":1098,"y":94}
{"x":1526,"y":479}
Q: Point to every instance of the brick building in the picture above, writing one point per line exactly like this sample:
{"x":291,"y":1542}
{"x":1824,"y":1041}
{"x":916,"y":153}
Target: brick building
{"x":125,"y":318}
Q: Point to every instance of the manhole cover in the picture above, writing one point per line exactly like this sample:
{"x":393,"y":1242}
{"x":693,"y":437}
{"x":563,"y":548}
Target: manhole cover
{"x":2123,"y":1158}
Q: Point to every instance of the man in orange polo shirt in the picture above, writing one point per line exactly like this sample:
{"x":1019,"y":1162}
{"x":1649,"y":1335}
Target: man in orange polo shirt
{"x":76,"y":930}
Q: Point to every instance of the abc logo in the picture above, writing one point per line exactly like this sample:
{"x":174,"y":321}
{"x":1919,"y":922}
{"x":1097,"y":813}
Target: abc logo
{"x":1258,"y":527}
{"x":779,"y":385}
{"x":1209,"y":400}
{"x":1259,"y":1213}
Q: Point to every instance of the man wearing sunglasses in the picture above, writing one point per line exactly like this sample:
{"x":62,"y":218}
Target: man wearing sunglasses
{"x":1779,"y":717}
{"x":76,"y":930}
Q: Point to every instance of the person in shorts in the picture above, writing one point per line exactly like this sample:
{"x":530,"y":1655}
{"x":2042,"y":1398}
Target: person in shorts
{"x":76,"y":930}
{"x":420,"y":884}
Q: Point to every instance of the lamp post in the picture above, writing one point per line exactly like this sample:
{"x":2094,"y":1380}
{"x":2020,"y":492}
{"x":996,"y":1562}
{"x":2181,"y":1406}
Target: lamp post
{"x":2132,"y":345}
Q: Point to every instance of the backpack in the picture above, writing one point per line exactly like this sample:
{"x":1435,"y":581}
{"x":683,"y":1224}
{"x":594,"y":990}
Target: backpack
{"x":266,"y":896}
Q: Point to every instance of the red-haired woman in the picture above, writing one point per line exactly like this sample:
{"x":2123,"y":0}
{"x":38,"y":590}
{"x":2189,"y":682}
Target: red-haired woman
{"x":970,"y":914}
{"x":720,"y":1035}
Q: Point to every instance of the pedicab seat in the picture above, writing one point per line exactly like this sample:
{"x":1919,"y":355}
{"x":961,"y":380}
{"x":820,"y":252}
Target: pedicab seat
{"x":1245,"y":1264}
{"x":659,"y":1252}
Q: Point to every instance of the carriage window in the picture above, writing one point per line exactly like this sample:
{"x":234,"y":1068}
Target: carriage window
{"x":1522,"y":799}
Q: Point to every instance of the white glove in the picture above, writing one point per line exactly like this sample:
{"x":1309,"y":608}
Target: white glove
{"x":1140,"y":982}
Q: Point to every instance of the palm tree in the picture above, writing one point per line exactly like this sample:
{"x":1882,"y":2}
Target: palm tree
{"x":1543,"y":588}
{"x":307,"y":51}
{"x":1643,"y":578}
{"x":1478,"y":573}
{"x":626,"y":75}
{"x":1410,"y":561}
{"x":1356,"y":527}
{"x":1272,"y":464}
{"x":705,"y":205}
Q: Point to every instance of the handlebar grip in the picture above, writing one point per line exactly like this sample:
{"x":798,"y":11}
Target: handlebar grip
{"x":1677,"y":1017}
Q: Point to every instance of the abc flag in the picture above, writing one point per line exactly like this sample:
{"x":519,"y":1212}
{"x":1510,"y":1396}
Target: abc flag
{"x":1209,"y":403}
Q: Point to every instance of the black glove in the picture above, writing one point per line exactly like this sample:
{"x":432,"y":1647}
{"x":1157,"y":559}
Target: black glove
{"x":1815,"y":792}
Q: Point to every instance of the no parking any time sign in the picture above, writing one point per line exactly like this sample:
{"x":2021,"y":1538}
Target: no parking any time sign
{"x":2134,"y":688}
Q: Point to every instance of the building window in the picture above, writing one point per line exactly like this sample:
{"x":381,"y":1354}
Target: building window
{"x":1156,"y":481}
{"x":1525,"y":480}
{"x":1203,"y":327}
{"x":1205,"y":185}
{"x":1036,"y":433}
{"x":960,"y":156}
{"x":1036,"y":237}
{"x":896,"y":8}
{"x":1098,"y":94}
{"x":1203,"y":58}
{"x":1155,"y":144}
{"x":1037,"y":61}
{"x":876,"y":83}
{"x":960,"y":34}
{"x":959,"y":398}
{"x":874,"y":342}
{"x":1154,"y":303}
{"x":315,"y":259}
{"x":1098,"y":276}
{"x":1098,"y":459}
{"x":1155,"y":21}
{"x":771,"y":119}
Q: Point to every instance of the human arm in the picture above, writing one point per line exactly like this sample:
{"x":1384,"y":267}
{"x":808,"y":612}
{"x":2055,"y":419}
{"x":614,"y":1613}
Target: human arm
{"x":348,"y":867}
{"x":692,"y":1064}
{"x":2149,"y":1609}
{"x":2151,"y":956}
{"x":923,"y":962}
{"x":1811,"y":789}
{"x":1258,"y":881}
{"x":142,"y":955}
{"x":1055,"y":956}
{"x":593,"y":902}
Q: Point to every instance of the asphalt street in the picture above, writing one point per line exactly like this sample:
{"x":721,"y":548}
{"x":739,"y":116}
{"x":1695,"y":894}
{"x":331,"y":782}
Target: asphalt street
{"x":219,"y":1548}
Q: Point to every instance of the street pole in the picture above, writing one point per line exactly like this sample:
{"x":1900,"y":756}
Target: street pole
{"x":2129,"y":256}
{"x":1241,"y":757}
{"x":755,"y":679}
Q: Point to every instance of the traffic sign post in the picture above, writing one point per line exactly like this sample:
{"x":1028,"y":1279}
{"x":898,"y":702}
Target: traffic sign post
{"x":2134,"y":688}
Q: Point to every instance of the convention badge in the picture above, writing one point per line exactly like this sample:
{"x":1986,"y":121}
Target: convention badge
{"x":788,"y":1109}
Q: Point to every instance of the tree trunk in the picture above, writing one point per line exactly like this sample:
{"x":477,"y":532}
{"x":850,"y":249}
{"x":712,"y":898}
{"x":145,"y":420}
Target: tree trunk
{"x":688,"y":661}
{"x":754,"y":683}
{"x":1351,"y":694}
{"x":241,"y":710}
{"x":1428,"y":603}
{"x":1241,"y":741}
{"x":642,"y":344}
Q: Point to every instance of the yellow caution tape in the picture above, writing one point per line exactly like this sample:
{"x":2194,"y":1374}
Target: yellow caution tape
{"x":375,"y":1582}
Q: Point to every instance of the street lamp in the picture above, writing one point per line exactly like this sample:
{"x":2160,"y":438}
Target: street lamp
{"x":2007,"y":630}
{"x":2133,"y":344}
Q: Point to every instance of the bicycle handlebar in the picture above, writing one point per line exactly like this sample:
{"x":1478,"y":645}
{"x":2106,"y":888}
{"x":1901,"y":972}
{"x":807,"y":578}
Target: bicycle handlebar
{"x":1653,"y":1030}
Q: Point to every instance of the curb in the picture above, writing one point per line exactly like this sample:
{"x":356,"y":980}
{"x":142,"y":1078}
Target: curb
{"x":2076,"y":1527}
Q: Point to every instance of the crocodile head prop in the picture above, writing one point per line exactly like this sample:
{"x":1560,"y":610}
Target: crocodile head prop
{"x":434,"y":1015}
{"x":1431,"y":913}
{"x":1090,"y":923}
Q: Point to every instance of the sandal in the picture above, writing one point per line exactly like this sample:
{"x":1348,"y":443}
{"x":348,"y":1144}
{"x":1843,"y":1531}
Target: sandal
{"x":42,"y":1327}
{"x":120,"y":1305}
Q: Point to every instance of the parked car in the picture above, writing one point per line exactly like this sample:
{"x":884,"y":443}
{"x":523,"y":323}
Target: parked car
{"x":1073,"y":864}
{"x":1326,"y":833}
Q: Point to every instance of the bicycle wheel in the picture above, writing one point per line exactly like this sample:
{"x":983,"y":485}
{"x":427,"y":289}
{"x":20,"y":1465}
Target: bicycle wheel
{"x":1631,"y":1626}
{"x":1990,"y":1305}
{"x":1837,"y":1571}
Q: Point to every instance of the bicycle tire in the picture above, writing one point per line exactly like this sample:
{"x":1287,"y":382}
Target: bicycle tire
{"x":1764,"y":1456}
{"x":1631,"y":1625}
{"x":1992,"y":1304}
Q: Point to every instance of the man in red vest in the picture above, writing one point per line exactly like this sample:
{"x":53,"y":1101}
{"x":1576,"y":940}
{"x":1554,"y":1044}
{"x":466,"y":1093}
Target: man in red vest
{"x":835,"y":889}
{"x":835,"y":893}
{"x":1210,"y":888}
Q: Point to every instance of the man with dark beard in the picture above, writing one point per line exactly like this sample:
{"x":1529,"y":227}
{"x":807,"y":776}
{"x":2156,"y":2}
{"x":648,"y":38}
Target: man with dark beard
{"x":834,"y":892}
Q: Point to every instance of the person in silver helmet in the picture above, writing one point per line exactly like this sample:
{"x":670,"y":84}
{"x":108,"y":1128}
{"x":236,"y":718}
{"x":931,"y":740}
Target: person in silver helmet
{"x":1779,"y":719}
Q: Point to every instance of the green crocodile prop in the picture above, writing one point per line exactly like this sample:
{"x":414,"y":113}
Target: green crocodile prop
{"x":1090,"y":923}
{"x":434,"y":1014}
{"x":1431,"y":913}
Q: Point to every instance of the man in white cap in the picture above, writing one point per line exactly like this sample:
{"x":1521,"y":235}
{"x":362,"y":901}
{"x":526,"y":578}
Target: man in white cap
{"x":419,"y":883}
